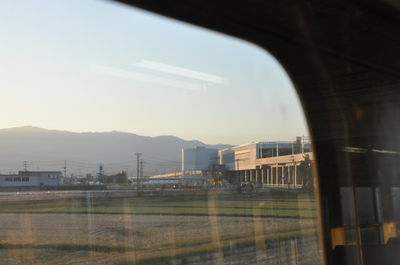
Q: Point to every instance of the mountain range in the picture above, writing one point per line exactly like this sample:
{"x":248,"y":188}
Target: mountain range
{"x":51,"y":149}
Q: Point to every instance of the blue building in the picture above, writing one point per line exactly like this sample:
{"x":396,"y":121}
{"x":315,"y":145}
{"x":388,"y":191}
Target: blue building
{"x":196,"y":164}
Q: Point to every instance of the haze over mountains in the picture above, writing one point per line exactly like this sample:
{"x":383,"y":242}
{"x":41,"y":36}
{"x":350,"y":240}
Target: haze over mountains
{"x":48,"y":149}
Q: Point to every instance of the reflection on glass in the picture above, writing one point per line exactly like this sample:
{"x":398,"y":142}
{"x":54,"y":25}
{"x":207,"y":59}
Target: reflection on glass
{"x":347,"y":203}
{"x":366,"y":209}
{"x":99,"y":164}
{"x":350,"y":236}
{"x":370,"y":235}
{"x":396,"y":203}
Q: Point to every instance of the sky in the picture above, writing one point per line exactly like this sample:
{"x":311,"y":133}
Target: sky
{"x":96,"y":66}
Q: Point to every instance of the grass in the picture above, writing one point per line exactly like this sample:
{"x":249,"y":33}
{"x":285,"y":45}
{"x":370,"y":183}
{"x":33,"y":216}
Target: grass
{"x":70,"y":247}
{"x":270,"y":206}
{"x":262,"y":206}
{"x":270,"y":235}
{"x":185,"y":250}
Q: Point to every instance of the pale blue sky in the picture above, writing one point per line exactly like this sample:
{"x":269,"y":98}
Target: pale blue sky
{"x":78,"y":66}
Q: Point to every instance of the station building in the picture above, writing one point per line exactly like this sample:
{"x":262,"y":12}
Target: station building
{"x":263,"y":163}
{"x":31,"y":178}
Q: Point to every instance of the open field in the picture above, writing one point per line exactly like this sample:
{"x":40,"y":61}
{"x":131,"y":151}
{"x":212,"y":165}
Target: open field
{"x":270,"y":228}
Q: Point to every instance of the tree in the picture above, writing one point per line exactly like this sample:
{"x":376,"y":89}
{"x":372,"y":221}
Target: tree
{"x":121,"y":177}
{"x":306,"y":174}
{"x":250,"y":187}
{"x":108,"y":179}
{"x":117,"y":178}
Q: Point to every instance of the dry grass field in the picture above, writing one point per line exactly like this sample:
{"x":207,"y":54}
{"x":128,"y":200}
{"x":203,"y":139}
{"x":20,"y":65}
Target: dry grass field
{"x":269,"y":228}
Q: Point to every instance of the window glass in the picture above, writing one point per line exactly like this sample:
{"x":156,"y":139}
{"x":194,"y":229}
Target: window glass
{"x":147,"y":140}
{"x":365,"y":206}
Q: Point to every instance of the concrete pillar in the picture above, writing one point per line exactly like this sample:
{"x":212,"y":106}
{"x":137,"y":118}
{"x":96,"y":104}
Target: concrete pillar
{"x":285,"y":172}
{"x":263,"y":174}
{"x":280,"y":175}
{"x":273,"y":175}
{"x":246,"y":176}
{"x":284,"y":181}
{"x":269,"y":175}
{"x":276,"y":175}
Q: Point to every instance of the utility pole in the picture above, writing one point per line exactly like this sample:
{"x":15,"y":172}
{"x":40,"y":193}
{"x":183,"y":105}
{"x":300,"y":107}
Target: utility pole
{"x":25,"y":165}
{"x":137,"y":171}
{"x":141,"y":170}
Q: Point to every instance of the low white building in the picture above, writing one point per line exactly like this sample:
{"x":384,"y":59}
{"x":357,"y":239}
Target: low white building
{"x":31,"y":178}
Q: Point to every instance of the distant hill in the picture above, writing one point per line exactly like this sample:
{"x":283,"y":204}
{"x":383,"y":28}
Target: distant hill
{"x":48,"y":149}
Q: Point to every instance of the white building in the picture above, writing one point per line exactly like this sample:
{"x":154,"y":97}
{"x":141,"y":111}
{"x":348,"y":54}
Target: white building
{"x":246,"y":156}
{"x":31,"y":178}
{"x":266,"y":163}
{"x":263,"y":163}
